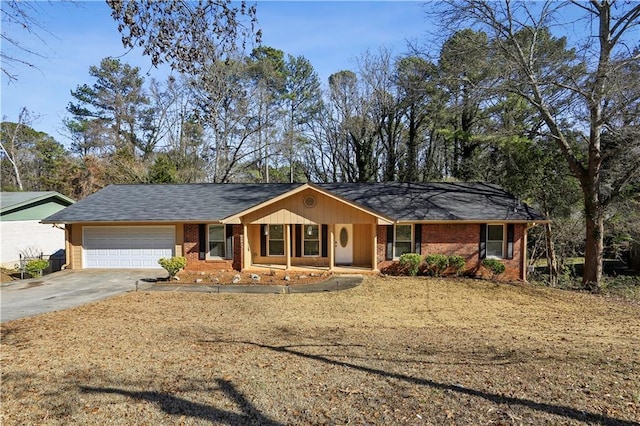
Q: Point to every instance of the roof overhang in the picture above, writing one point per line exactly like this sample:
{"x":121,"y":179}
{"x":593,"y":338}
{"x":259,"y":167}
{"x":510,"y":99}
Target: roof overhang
{"x":531,"y":222}
{"x":144,"y":222}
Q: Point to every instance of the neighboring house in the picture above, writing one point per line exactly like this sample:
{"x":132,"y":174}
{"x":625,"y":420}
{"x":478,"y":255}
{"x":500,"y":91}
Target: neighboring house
{"x":20,"y":227}
{"x":365,"y":226}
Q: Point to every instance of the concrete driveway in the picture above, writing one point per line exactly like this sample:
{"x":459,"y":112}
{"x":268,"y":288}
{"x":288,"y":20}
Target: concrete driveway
{"x":66,"y":289}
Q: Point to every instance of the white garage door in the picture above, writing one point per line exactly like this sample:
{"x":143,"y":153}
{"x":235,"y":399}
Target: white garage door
{"x":127,"y":246}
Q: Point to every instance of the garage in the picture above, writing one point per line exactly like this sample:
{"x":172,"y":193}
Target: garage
{"x":127,"y":246}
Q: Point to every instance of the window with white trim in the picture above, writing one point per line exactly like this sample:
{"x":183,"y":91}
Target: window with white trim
{"x":311,"y":237}
{"x":495,"y":241}
{"x":217,"y":242}
{"x":275,"y":240}
{"x":403,"y":241}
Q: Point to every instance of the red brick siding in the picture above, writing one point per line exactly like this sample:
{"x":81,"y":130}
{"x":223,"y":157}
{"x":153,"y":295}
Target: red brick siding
{"x":191,"y":249}
{"x":381,"y":250}
{"x":460,"y":239}
{"x":238,"y":244}
{"x":190,"y":246}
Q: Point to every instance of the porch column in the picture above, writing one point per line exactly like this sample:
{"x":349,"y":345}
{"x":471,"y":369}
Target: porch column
{"x":246,"y":252}
{"x":374,"y":251}
{"x":331,"y":241}
{"x":287,"y":245}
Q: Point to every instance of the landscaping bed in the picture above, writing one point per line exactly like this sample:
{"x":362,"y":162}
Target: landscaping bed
{"x":225,"y":277}
{"x":391,"y":351}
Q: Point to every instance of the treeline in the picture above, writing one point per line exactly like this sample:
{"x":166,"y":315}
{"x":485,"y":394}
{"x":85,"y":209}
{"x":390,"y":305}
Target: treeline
{"x":268,"y":118}
{"x":466,"y":111}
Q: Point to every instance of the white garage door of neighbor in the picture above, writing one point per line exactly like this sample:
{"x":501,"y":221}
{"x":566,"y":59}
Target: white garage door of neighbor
{"x":127,"y":246}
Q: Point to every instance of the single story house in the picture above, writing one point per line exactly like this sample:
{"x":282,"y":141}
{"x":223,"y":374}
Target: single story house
{"x":364,"y":226}
{"x":20,"y":227}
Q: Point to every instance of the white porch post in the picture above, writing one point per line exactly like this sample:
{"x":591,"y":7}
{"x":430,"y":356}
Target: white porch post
{"x":287,"y":245}
{"x":331,"y":241}
{"x":246,"y":252}
{"x":374,"y":254}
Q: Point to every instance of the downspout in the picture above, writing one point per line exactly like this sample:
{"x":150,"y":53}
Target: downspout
{"x":66,"y":245}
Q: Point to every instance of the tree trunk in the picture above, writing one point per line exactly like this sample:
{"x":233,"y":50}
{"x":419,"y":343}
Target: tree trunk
{"x":594,"y":243}
{"x":552,"y":260}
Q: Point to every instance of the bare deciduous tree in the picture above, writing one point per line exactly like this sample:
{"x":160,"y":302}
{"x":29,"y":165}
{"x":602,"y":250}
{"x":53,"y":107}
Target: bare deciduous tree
{"x":571,"y":93}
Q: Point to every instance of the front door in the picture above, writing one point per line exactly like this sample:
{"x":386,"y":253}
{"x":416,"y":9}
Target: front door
{"x":344,"y":244}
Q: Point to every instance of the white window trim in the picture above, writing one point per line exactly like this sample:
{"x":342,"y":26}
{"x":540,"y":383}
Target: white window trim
{"x":304,"y":239}
{"x":504,"y":239}
{"x":284,"y":242}
{"x":224,"y":243}
{"x":395,"y":239}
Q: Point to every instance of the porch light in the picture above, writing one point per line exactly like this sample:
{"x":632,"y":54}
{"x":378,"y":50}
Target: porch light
{"x":266,"y":230}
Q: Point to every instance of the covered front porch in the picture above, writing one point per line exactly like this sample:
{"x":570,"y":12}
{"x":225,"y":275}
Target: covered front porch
{"x":310,"y":246}
{"x":309,"y":229}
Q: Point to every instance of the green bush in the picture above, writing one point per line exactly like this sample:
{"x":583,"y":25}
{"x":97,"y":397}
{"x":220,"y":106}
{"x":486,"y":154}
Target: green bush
{"x":411,"y":263}
{"x":173,"y":265}
{"x":457,"y":263}
{"x":35,"y":267}
{"x":495,"y":266}
{"x":437,"y":264}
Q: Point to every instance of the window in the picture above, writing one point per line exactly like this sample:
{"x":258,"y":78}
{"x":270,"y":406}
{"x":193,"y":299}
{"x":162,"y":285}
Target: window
{"x":495,"y":239}
{"x":275,"y":240}
{"x":311,"y":235}
{"x":403,"y":240}
{"x":217,"y":241}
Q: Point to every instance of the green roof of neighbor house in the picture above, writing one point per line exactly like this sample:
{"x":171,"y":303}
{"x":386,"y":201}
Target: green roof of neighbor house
{"x":402,"y":202}
{"x":31,"y":205}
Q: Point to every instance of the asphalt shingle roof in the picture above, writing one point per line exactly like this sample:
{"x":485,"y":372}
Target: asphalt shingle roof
{"x":211,"y":202}
{"x":165,"y":203}
{"x":434,"y":201}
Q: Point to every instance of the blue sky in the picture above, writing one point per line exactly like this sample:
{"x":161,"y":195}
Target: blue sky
{"x":330,"y":34}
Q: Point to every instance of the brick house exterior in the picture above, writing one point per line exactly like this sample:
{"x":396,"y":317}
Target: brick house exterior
{"x":327,"y":226}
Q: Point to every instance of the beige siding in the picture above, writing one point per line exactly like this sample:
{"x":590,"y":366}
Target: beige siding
{"x":292,"y":210}
{"x":363,"y":245}
{"x":76,"y":246}
{"x":179,"y":239}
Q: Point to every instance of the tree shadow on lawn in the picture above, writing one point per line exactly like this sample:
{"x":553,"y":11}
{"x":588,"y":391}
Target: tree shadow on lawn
{"x":559,"y":410}
{"x":171,"y":404}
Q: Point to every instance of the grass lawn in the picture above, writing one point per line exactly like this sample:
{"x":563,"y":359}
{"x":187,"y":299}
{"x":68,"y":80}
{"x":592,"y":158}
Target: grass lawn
{"x":392,"y":351}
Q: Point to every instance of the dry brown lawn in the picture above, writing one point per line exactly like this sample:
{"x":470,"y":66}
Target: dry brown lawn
{"x":392,"y":351}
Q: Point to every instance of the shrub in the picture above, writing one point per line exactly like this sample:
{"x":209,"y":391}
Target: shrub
{"x":437,"y":263}
{"x":457,"y":263}
{"x":173,"y":265}
{"x":35,"y":267}
{"x":495,"y":266}
{"x":411,"y":263}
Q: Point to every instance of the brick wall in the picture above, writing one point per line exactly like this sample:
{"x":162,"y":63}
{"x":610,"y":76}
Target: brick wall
{"x":460,"y":239}
{"x":190,"y":246}
{"x":191,"y":249}
{"x":381,"y":250}
{"x":238,"y":244}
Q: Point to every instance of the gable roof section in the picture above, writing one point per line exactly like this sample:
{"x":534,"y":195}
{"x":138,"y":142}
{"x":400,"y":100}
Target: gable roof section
{"x":318,"y":189}
{"x":12,"y":201}
{"x":401,"y":202}
{"x":201,"y":202}
{"x":436,"y":201}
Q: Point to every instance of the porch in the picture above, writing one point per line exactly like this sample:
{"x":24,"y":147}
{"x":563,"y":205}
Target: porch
{"x":342,"y":248}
